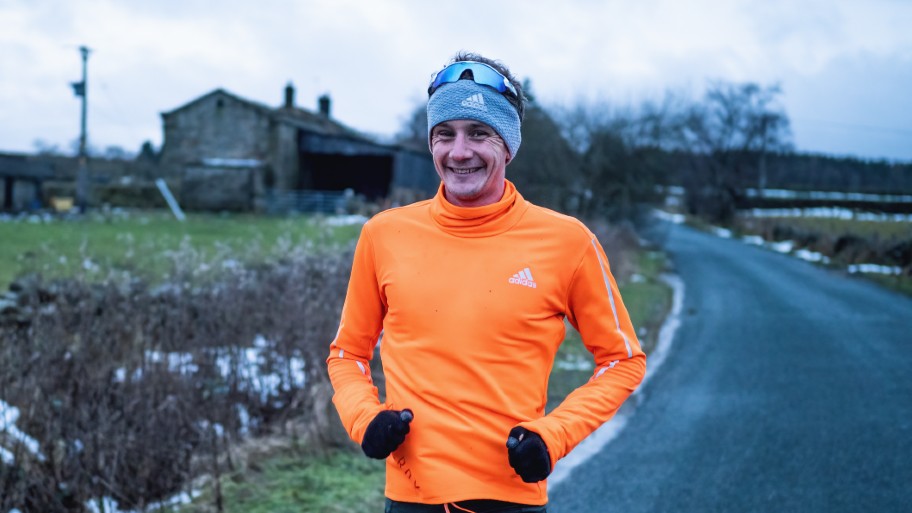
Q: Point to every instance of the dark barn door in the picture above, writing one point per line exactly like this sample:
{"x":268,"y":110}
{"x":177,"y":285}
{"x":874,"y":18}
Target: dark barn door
{"x":369,"y":175}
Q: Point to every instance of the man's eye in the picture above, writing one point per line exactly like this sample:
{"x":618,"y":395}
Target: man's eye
{"x":443,"y":133}
{"x":480,"y":133}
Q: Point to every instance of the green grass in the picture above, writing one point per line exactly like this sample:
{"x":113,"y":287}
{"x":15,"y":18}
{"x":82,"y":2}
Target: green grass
{"x":291,"y":483}
{"x":145,"y":243}
{"x":883,"y":230}
{"x":877,"y":234}
{"x":901,"y":284}
{"x":647,"y":300}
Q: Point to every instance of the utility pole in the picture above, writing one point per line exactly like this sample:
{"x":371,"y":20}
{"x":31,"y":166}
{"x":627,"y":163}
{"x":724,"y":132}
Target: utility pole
{"x":82,"y":175}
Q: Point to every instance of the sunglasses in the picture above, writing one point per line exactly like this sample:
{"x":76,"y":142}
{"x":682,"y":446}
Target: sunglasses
{"x":481,"y":74}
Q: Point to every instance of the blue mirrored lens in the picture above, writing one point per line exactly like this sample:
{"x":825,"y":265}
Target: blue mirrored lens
{"x":481,"y":74}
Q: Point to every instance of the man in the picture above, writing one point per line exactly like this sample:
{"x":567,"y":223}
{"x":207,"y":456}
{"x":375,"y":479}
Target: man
{"x":470,"y":290}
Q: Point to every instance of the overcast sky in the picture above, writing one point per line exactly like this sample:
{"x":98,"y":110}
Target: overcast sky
{"x":845,"y":67}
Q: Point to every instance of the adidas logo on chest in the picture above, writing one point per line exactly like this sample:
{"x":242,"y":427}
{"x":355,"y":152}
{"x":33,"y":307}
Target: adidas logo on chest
{"x":523,"y":278}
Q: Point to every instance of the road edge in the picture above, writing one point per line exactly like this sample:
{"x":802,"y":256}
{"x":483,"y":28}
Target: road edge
{"x":610,"y":430}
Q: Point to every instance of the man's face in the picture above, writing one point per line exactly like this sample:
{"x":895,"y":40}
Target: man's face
{"x":471,"y":160}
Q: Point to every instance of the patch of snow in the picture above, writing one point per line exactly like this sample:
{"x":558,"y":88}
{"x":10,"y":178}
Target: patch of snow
{"x":637,"y":278}
{"x":231,"y":264}
{"x":575,"y":364}
{"x":248,"y":363}
{"x":874,"y":269}
{"x":227,"y":162}
{"x":828,"y":195}
{"x":721,"y":232}
{"x":345,"y":220}
{"x":205,"y":425}
{"x":784,"y":246}
{"x":109,"y":505}
{"x":102,"y":505}
{"x":828,"y":213}
{"x":883,"y":217}
{"x":8,"y":417}
{"x":812,"y":256}
{"x":176,"y":362}
{"x":756,"y":240}
{"x":668,"y":216}
{"x":243,"y":418}
{"x":7,"y":457}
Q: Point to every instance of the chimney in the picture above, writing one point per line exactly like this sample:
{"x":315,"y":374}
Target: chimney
{"x":323,"y":102}
{"x":289,"y":96}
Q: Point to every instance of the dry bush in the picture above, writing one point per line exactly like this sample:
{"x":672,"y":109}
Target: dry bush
{"x":621,"y":243}
{"x":131,"y":391}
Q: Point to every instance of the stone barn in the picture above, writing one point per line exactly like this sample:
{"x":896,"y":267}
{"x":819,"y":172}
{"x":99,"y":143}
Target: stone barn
{"x":224,"y":152}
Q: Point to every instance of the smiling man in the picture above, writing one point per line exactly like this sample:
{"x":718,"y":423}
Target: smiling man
{"x":470,"y":290}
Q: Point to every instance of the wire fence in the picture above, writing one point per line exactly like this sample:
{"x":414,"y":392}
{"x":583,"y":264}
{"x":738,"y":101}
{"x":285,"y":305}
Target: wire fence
{"x":288,"y":201}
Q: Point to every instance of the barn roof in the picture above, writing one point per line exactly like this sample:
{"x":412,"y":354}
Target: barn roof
{"x":19,"y":166}
{"x":294,"y":116}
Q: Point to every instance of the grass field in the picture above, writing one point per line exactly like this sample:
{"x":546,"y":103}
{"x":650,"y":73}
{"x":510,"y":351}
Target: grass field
{"x":833,"y":226}
{"x":145,"y":243}
{"x":294,"y":482}
{"x":879,"y":236}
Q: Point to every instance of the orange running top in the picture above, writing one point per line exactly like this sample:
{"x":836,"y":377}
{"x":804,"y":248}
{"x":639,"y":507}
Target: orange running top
{"x":471,"y":305}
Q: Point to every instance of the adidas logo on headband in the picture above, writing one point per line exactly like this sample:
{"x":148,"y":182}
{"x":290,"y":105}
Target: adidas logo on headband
{"x":476,"y":101}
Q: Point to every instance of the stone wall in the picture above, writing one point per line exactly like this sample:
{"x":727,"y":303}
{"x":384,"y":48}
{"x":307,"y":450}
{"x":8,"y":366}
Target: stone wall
{"x":217,"y":126}
{"x":221,"y":188}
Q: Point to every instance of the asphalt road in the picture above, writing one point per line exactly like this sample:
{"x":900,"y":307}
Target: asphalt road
{"x":788,"y":388}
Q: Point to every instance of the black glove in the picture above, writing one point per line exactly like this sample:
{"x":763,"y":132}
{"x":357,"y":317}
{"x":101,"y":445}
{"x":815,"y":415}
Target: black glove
{"x":386,"y":432}
{"x":528,"y":455}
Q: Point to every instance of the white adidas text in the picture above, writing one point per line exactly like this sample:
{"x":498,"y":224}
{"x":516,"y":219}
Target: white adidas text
{"x":523,"y":278}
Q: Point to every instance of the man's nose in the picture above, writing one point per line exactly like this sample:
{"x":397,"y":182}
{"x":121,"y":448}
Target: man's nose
{"x":461,"y":150}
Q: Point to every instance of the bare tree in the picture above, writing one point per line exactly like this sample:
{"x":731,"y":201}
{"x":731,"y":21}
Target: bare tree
{"x":546,"y":170}
{"x":728,"y":137}
{"x":623,"y":153}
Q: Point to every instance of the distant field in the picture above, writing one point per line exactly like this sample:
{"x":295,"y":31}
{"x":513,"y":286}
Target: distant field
{"x":145,"y":243}
{"x":836,"y":227}
{"x":845,"y":242}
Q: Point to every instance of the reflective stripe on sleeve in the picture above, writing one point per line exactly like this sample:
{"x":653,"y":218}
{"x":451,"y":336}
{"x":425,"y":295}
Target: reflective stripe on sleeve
{"x":617,"y":323}
{"x":603,"y":369}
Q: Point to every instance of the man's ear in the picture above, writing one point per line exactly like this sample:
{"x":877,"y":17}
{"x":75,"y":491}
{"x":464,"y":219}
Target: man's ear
{"x":508,"y":159}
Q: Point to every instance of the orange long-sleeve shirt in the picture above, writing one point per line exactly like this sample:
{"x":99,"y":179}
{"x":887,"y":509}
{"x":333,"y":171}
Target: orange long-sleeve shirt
{"x":471,"y":305}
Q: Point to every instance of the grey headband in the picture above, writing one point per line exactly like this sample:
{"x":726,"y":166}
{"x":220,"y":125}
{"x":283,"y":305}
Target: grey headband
{"x":464,"y":99}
